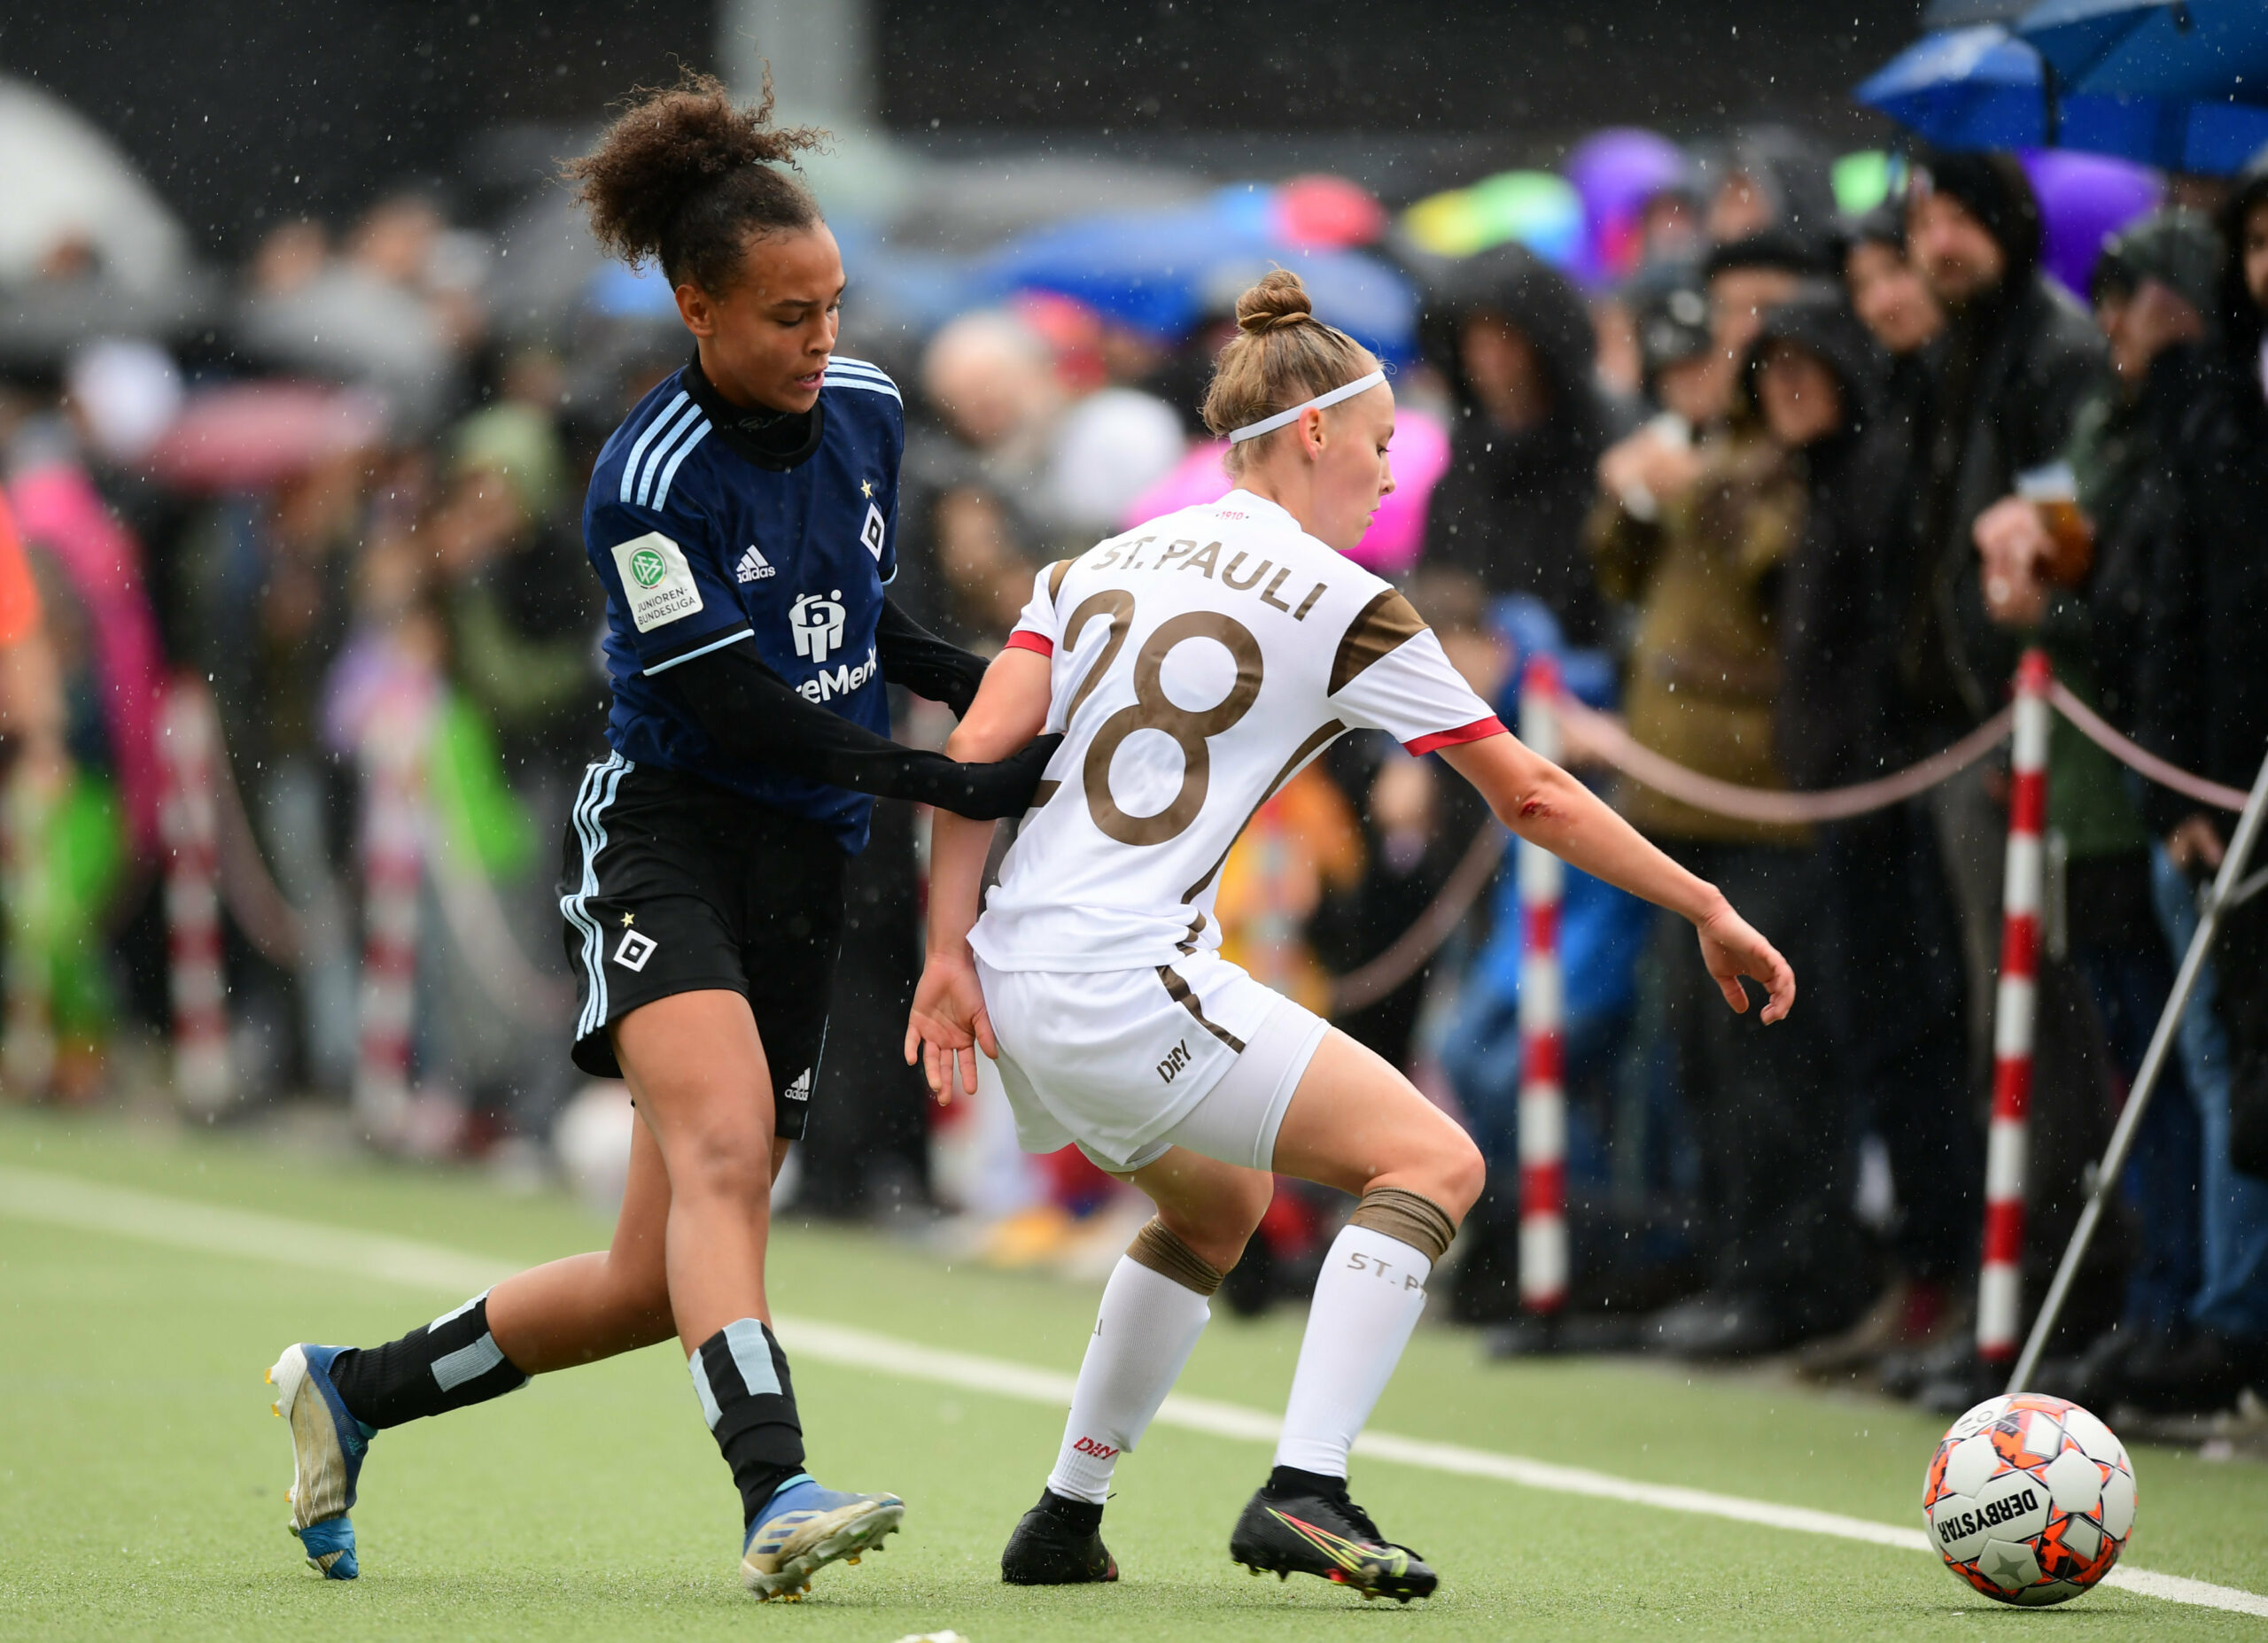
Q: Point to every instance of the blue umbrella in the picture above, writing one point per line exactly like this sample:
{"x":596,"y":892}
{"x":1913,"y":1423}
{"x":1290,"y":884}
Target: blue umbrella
{"x":2198,"y":49}
{"x":1160,"y":272}
{"x":1982,"y":88}
{"x":1963,"y":88}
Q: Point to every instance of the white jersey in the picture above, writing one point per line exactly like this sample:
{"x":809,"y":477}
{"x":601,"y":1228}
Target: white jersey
{"x":1199,"y":662}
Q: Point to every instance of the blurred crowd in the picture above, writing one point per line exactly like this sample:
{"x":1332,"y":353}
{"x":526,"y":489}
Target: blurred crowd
{"x":1783,"y":472}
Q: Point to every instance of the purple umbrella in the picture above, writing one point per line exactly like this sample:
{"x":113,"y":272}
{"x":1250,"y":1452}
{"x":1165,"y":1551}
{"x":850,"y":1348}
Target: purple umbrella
{"x":1615,"y":172}
{"x":2084,"y":199}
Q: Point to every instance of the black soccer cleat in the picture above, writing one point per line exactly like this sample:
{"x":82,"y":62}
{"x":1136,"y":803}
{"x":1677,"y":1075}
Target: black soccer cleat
{"x":1306,"y":1525}
{"x":1059,"y":1543}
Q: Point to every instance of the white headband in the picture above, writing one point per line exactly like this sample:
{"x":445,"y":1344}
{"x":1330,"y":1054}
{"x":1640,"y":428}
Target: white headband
{"x":1322,"y":401}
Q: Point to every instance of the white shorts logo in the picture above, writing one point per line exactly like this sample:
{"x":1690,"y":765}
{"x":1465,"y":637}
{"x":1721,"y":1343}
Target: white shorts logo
{"x":871,"y":532}
{"x":818,"y":624}
{"x":635,"y":949}
{"x":655,"y":580}
{"x":801,"y":1089}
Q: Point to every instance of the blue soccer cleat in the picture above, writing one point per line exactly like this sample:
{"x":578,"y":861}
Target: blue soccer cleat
{"x":804,"y":1528}
{"x":328,"y":1446}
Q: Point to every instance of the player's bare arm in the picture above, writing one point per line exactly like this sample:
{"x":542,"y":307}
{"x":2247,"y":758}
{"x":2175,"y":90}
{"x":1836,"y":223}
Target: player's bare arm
{"x":1547,"y":807}
{"x":948,"y":1016}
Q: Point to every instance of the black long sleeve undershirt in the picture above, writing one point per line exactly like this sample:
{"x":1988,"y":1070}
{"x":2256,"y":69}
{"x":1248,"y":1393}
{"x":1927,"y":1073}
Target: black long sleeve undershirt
{"x":925,"y":664}
{"x":755,"y":715}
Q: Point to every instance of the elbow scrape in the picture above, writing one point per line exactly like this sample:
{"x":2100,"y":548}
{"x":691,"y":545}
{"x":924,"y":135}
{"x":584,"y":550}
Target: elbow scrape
{"x":1536,"y":810}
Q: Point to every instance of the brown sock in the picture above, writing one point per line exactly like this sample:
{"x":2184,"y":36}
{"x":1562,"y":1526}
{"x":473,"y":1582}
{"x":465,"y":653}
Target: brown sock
{"x":1157,"y":1248}
{"x":1410,"y":1217}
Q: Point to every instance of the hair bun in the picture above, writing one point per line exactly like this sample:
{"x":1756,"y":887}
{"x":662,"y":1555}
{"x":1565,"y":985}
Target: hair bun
{"x":1277,"y":300}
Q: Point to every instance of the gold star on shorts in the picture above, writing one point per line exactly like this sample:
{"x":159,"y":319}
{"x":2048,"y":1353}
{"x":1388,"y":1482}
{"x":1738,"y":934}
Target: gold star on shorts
{"x":866,"y":488}
{"x":628,"y":919}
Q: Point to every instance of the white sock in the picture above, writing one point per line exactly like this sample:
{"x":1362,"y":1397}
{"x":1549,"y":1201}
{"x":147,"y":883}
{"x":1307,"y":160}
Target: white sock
{"x":1366,"y":1303}
{"x":1146,"y":1329}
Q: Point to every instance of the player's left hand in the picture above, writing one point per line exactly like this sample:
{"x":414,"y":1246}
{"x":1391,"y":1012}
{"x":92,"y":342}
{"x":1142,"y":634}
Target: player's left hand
{"x":1731,"y":948}
{"x":947,"y":1025}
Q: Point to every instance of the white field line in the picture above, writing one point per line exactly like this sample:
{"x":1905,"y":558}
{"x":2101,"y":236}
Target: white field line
{"x":120,"y":1212}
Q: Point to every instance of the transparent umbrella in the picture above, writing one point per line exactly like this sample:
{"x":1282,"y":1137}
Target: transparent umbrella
{"x":71,"y":190}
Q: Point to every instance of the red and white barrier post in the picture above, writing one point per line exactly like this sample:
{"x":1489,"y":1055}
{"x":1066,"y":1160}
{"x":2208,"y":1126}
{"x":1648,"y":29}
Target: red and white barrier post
{"x":188,"y":744}
{"x":393,"y":866}
{"x":1999,"y":1296}
{"x":26,"y":1016}
{"x":1543,"y":1101}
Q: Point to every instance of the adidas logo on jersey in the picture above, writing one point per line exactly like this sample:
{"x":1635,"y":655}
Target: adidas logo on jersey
{"x":801,"y":1089}
{"x":753,"y":567}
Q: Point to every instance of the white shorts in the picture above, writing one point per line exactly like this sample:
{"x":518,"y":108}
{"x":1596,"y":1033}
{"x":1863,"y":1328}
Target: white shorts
{"x":1129,"y":1063}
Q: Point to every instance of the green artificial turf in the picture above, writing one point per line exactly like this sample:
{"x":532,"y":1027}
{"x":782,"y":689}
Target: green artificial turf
{"x":142,"y":1476}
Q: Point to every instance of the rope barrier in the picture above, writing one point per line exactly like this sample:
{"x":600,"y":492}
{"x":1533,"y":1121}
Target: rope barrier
{"x":263,"y":914}
{"x":1382,"y":976}
{"x":1604,"y":736}
{"x":482,"y":930}
{"x":1615,"y":746}
{"x":2092,"y":726}
{"x":211,"y":845}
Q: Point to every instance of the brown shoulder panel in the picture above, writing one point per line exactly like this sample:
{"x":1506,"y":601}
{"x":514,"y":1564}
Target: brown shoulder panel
{"x":1055,"y":578}
{"x":1386,"y":624}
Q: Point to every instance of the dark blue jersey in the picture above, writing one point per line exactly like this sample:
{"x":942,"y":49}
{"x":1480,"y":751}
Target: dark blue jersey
{"x":703,"y":542}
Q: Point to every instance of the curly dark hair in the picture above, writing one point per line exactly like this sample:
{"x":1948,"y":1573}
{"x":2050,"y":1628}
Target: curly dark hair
{"x":684,"y":175}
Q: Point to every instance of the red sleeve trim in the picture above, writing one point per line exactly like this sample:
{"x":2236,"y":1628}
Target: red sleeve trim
{"x":1474,"y":732}
{"x":1024,"y":639}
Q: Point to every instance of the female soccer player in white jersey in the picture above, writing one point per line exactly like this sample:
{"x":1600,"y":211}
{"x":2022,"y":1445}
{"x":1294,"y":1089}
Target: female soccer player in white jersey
{"x":742,"y":522}
{"x":1192,"y":666}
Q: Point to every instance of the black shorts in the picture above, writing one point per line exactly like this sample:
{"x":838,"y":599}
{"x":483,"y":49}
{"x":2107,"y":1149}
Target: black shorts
{"x":669,"y":885}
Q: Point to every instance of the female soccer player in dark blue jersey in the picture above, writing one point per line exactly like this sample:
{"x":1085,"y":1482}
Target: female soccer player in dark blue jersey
{"x":742,"y":520}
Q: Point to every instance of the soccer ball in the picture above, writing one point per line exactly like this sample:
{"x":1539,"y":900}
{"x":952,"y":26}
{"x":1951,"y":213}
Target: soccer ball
{"x":591,"y":1138}
{"x":2029,"y":1498}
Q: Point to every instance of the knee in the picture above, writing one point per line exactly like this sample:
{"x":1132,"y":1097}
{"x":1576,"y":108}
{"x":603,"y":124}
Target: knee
{"x":1450,"y":1172}
{"x":1464,"y":1172}
{"x":1218,"y":1229}
{"x":724,"y":1161}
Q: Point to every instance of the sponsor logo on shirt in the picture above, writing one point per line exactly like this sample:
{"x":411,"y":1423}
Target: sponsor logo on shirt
{"x":817,"y":621}
{"x":839,"y":680}
{"x":754,"y":567}
{"x":871,"y":532}
{"x":655,"y":581}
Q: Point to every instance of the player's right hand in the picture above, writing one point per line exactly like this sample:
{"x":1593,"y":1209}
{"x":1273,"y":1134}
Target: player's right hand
{"x":1731,"y":948}
{"x":947,"y":1025}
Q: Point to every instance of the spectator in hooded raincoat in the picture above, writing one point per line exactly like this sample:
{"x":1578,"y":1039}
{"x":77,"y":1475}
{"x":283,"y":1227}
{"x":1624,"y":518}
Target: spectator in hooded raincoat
{"x":1894,"y":982}
{"x":1705,"y":572}
{"x":2076,"y":582}
{"x":2008,"y":376}
{"x":1888,"y":294}
{"x":1515,"y":341}
{"x":2204,"y":704}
